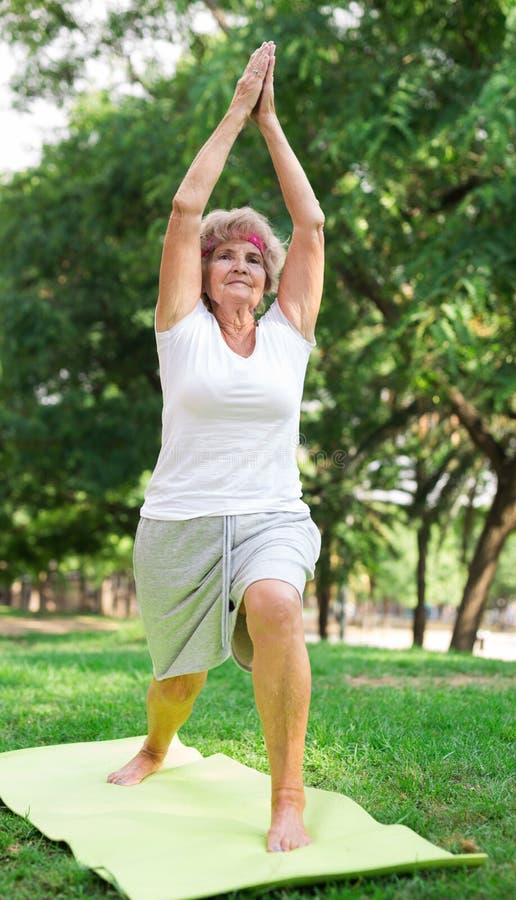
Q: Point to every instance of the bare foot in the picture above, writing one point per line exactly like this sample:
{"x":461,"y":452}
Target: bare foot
{"x":143,"y":764}
{"x":287,"y":831}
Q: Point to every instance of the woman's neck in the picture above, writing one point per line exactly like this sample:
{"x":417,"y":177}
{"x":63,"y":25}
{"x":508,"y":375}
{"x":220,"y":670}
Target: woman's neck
{"x":235,"y":323}
{"x":238,"y":329}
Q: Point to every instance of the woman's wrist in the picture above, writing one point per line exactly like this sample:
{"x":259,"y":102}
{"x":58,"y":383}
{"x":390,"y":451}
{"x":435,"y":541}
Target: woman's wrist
{"x":237,"y":114}
{"x":268,"y":123}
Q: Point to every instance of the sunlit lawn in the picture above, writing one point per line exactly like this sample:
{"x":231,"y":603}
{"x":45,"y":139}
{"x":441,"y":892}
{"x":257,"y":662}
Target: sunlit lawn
{"x":414,"y":737}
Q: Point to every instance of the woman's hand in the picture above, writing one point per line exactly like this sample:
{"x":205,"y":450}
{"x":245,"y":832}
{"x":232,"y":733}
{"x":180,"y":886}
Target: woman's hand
{"x":264,"y":108}
{"x":249,"y":89}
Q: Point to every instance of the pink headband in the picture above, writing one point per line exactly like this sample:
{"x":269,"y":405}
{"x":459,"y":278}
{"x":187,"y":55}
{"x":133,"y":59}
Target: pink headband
{"x":253,"y":238}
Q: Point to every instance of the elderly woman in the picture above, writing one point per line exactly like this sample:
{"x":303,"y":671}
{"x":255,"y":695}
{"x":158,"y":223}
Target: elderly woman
{"x":225,"y":542}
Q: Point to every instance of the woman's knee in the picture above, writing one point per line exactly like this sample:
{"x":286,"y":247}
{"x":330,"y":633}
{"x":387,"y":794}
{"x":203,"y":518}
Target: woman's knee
{"x":272,"y":607}
{"x":180,"y":689}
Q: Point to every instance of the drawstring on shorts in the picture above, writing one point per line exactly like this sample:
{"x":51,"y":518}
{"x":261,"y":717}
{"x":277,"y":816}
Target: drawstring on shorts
{"x":227,"y":541}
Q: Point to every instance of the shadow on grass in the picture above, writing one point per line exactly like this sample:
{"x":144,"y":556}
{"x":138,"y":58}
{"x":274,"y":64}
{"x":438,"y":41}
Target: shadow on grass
{"x":107,"y":651}
{"x":125,"y":635}
{"x":374,"y":661}
{"x":99,"y":651}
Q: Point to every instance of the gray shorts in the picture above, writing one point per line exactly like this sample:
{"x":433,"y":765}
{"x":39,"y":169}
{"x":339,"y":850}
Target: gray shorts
{"x":191,"y":576}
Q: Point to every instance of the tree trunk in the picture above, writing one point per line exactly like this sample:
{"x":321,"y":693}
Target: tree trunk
{"x":26,"y":591}
{"x":6,"y":595}
{"x":83,"y":593}
{"x":324,"y":609}
{"x":423,"y":539}
{"x":43,"y":590}
{"x":324,"y":580}
{"x":500,"y":521}
{"x":128,"y":596}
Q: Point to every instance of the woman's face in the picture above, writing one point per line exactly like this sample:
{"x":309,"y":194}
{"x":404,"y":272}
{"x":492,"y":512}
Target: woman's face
{"x":236,"y":274}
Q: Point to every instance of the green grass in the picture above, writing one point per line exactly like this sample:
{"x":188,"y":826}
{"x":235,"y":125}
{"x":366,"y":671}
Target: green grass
{"x":414,"y":737}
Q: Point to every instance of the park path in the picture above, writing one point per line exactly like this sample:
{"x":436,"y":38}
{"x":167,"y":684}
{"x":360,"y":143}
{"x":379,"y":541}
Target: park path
{"x":494,"y":644}
{"x":22,"y":625}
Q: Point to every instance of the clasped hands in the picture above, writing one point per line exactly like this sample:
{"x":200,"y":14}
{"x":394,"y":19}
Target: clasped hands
{"x":254,"y":93}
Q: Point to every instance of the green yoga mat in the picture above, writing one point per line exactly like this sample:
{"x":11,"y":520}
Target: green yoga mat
{"x":197,"y":827}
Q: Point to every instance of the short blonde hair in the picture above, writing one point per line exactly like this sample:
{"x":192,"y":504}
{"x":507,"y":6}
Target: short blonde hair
{"x":221,"y":225}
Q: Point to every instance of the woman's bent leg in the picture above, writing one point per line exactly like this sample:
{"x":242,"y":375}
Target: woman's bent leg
{"x":282,"y":685}
{"x":169,"y":704}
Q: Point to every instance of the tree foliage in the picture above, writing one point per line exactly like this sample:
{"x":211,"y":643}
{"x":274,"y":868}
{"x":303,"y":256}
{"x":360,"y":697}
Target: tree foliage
{"x":403,"y":115}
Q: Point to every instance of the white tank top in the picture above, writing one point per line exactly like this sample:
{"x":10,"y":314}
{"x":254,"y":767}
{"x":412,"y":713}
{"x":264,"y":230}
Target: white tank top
{"x":230,"y":424}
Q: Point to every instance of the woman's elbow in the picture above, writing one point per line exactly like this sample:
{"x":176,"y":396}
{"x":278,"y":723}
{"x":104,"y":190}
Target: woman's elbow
{"x":316,"y":224}
{"x":313,"y":219}
{"x":184,"y":204}
{"x":319,"y":219}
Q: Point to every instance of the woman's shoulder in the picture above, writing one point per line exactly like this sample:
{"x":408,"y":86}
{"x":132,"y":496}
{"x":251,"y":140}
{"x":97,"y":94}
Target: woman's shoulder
{"x":275,"y":320}
{"x":196,"y":319}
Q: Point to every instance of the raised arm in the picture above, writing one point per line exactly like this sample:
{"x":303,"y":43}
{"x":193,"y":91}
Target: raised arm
{"x":301,"y":283}
{"x":180,"y":273}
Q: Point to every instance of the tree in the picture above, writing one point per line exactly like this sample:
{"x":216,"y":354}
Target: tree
{"x":428,"y":467}
{"x":402,"y":114}
{"x":427,"y":230}
{"x":80,"y":387}
{"x":499,"y":523}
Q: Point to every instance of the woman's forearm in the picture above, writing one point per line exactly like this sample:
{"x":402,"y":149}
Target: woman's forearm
{"x":197,"y":185}
{"x":300,"y":200}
